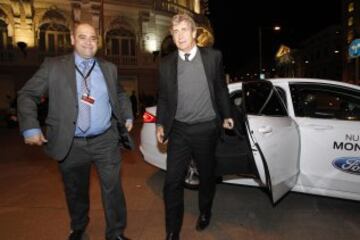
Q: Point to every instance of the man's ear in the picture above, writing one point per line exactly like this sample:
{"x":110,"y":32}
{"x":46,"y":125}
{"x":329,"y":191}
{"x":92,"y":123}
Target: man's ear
{"x":194,"y":34}
{"x":72,"y":38}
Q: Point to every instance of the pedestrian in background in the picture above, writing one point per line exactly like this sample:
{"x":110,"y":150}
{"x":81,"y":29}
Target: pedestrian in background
{"x":134,"y":103}
{"x":193,"y":104}
{"x":86,"y":109}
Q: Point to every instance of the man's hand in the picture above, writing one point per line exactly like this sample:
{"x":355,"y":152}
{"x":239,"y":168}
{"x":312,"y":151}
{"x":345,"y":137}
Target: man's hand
{"x":129,"y":125}
{"x":228,"y":123}
{"x":160,"y":134}
{"x":36,"y":140}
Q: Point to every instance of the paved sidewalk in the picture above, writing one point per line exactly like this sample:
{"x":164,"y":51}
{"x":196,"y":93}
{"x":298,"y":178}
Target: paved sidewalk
{"x":32,"y":204}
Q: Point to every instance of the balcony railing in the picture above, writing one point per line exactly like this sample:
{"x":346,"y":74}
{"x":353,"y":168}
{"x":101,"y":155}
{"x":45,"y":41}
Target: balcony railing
{"x":7,"y":55}
{"x":122,"y":60}
{"x":174,"y":8}
{"x":43,"y":54}
{"x":36,"y":57}
{"x":116,"y":59}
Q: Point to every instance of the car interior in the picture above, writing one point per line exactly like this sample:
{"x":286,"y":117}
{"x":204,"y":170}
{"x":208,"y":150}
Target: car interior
{"x":233,"y":152}
{"x":325,"y":102}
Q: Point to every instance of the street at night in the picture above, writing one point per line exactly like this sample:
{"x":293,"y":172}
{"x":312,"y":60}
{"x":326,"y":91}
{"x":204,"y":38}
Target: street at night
{"x":32,"y":204}
{"x":258,"y":99}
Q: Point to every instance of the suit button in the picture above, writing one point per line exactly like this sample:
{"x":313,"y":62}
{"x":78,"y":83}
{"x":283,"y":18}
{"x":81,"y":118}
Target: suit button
{"x":74,"y":122}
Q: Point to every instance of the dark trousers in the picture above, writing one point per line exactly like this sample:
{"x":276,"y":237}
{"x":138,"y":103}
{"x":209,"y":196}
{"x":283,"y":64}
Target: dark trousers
{"x":103,"y":151}
{"x":188,"y":141}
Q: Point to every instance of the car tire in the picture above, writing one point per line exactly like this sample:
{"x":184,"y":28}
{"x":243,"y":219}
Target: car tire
{"x":192,"y":177}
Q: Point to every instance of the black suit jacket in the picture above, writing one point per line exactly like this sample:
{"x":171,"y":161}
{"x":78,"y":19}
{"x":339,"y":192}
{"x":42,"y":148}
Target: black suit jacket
{"x":168,"y":88}
{"x":56,"y":79}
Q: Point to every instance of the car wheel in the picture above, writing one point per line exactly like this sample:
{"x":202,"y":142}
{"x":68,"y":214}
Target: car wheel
{"x":192,"y":177}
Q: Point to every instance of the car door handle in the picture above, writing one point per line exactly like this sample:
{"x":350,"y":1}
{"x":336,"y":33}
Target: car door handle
{"x":320,"y":127}
{"x":265,"y":129}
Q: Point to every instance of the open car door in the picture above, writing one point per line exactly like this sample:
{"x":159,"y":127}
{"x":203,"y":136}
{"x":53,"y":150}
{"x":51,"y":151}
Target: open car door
{"x":274,"y":135}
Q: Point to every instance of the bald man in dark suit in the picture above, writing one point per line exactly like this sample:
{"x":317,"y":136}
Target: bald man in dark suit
{"x":87,"y":107}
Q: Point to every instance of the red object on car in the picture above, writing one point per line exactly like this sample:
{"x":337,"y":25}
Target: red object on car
{"x":148,"y":117}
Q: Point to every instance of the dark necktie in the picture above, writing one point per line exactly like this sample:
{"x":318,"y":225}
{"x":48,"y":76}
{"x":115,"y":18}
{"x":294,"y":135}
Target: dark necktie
{"x":84,"y":108}
{"x":187,"y":55}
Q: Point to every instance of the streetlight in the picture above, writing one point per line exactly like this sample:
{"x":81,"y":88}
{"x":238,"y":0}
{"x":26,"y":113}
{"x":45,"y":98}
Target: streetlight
{"x":275,"y":28}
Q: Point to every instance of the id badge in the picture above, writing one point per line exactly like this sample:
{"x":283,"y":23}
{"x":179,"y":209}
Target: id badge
{"x":89,"y":100}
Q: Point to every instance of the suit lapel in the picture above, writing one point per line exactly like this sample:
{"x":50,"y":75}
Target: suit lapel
{"x":205,"y":57}
{"x":173,"y":83}
{"x":69,"y":72}
{"x":107,"y":76}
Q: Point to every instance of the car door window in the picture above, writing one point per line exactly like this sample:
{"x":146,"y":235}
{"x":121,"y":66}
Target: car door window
{"x":236,"y":98}
{"x":282,"y":94}
{"x":325,"y":101}
{"x":237,"y":113}
{"x":264,"y":100}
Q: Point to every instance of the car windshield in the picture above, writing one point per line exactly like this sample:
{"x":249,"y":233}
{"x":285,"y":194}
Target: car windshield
{"x":263,"y":99}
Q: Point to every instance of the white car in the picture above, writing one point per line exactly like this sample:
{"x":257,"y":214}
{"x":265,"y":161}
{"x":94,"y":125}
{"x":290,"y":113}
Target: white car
{"x":298,"y":135}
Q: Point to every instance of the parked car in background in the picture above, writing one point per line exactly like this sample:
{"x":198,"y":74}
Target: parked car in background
{"x":298,"y":135}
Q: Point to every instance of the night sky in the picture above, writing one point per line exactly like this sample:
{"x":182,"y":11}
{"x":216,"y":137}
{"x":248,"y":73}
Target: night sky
{"x":236,"y":23}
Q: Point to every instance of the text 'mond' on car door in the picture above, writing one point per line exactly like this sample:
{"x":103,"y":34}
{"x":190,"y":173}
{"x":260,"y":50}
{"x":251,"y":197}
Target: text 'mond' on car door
{"x":275,"y":135}
{"x":328,"y":116}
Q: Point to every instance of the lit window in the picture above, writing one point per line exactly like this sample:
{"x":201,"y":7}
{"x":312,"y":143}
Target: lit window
{"x":197,"y":6}
{"x":3,"y":35}
{"x":350,"y":21}
{"x":53,"y":34}
{"x":351,"y":7}
{"x":120,"y":43}
{"x":54,"y":39}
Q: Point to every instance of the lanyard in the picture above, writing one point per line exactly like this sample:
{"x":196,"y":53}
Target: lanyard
{"x":86,"y":76}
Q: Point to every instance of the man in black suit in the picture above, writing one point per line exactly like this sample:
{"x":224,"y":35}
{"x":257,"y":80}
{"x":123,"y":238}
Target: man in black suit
{"x":193,"y":100}
{"x":87,"y":107}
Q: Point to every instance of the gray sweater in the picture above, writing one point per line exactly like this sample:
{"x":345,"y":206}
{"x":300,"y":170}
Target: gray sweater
{"x":194,"y":102}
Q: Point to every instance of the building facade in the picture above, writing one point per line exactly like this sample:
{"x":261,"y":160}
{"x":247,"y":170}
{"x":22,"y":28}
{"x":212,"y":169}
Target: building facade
{"x":133,"y":34}
{"x":320,"y":55}
{"x":351,"y":27}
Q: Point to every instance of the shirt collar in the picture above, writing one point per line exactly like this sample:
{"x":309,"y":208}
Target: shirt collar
{"x":192,"y":53}
{"x":79,"y":60}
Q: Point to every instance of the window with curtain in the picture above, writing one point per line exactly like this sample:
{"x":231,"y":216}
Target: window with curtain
{"x":54,"y":38}
{"x":120,"y":42}
{"x":3,"y":35}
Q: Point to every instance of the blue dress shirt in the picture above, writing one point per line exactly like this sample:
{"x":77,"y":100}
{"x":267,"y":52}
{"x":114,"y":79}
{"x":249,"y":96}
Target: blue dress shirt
{"x":101,"y":109}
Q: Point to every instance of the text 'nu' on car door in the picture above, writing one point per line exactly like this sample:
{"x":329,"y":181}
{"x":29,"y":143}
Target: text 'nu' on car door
{"x":275,"y":135}
{"x":328,"y":117}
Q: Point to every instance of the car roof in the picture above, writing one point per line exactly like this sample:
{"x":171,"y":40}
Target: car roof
{"x":279,"y":81}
